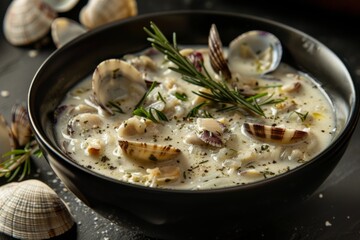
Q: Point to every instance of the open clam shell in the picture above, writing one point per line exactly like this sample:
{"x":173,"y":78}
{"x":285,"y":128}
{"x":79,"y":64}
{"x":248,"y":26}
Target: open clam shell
{"x":254,"y":53}
{"x":99,"y":12}
{"x":27,"y":21}
{"x":32,"y":210}
{"x":64,"y":30}
{"x":114,"y":79}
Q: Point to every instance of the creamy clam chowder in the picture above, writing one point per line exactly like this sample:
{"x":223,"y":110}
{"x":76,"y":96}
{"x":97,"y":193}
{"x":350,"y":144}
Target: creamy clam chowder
{"x":137,"y":121}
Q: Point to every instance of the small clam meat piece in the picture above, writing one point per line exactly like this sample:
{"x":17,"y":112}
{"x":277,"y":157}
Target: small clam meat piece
{"x":254,"y":53}
{"x":32,"y":210}
{"x":148,"y":152}
{"x":272,"y":134}
{"x":164,"y":174}
{"x":63,"y":30}
{"x":216,"y":54}
{"x":291,"y":86}
{"x":99,"y":12}
{"x":133,"y":126}
{"x":116,"y":79}
{"x":210,"y":131}
{"x":27,"y":21}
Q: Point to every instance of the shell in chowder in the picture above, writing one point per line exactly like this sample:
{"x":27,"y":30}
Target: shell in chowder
{"x":63,"y":30}
{"x":148,"y":152}
{"x":216,"y":54}
{"x":115,"y":79}
{"x":273,"y":134}
{"x":99,"y":12}
{"x":254,"y":53}
{"x":32,"y":210}
{"x":27,"y":21}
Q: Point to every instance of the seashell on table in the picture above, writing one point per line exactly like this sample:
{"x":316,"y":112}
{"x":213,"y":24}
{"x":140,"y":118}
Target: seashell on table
{"x":63,"y":30}
{"x":27,"y":21}
{"x":32,"y":210}
{"x":99,"y":12}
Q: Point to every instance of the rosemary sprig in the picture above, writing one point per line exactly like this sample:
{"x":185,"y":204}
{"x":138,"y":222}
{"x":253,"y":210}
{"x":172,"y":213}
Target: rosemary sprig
{"x":142,"y":112}
{"x":195,"y":112}
{"x":220,"y":91}
{"x":302,"y":116}
{"x":18,"y":161}
{"x":149,"y":114}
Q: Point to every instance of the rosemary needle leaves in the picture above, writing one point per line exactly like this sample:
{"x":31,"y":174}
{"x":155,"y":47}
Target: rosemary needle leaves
{"x":220,"y":91}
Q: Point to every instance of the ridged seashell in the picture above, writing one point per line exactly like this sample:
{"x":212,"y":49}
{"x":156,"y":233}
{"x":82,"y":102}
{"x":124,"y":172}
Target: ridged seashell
{"x":216,"y":54}
{"x":114,"y":79}
{"x":6,"y":138}
{"x":148,"y":152}
{"x":271,"y":134}
{"x":27,"y":21}
{"x":254,"y":53}
{"x":20,"y":125}
{"x":63,"y":30}
{"x":99,"y":12}
{"x":32,"y":210}
{"x":61,"y":6}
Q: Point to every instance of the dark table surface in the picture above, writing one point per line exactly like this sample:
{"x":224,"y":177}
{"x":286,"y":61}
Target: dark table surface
{"x":332,"y":212}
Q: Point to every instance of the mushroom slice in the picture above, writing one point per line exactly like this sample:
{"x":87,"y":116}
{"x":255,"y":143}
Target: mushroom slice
{"x":272,"y":134}
{"x":148,"y":152}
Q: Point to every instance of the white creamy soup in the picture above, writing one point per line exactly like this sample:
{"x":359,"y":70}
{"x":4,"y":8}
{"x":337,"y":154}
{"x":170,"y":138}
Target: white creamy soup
{"x":177,"y":139}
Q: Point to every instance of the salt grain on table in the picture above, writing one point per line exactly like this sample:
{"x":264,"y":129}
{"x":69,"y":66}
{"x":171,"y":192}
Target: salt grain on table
{"x":5,"y":93}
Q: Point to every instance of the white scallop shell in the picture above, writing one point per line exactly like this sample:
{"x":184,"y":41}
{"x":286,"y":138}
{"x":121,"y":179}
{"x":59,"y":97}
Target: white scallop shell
{"x":63,"y":30}
{"x":32,"y":210}
{"x":99,"y":12}
{"x":61,"y":5}
{"x":27,"y":21}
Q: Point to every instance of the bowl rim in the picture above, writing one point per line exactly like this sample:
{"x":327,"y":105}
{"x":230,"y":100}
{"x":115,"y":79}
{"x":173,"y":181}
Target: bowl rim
{"x":346,"y":133}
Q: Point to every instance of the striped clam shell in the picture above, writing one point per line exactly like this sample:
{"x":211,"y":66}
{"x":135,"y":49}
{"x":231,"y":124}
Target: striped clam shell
{"x":27,"y":21}
{"x":272,"y":134}
{"x":20,"y":125}
{"x":217,"y":59}
{"x":32,"y":210}
{"x":148,"y":152}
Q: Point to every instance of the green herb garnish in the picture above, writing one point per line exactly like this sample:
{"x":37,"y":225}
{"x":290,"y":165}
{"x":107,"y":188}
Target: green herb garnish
{"x":149,"y":114}
{"x":220,"y":91}
{"x":181,"y":96}
{"x":302,"y":116}
{"x":195,"y":112}
{"x":19,"y":161}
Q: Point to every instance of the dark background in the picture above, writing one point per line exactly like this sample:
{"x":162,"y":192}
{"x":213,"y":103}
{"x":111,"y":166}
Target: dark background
{"x":332,"y":212}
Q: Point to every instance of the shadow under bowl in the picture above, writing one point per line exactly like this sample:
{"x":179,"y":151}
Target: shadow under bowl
{"x":163,"y":212}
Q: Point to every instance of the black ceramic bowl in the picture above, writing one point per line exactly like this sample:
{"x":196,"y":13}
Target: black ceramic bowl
{"x":159,"y":211}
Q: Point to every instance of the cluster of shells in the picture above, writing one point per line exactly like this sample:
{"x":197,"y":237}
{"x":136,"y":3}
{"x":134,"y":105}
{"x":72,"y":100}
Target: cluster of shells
{"x":28,"y":21}
{"x":32,"y":210}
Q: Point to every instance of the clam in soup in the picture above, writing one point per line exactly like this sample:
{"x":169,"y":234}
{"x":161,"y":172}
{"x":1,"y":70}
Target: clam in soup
{"x":198,"y":118}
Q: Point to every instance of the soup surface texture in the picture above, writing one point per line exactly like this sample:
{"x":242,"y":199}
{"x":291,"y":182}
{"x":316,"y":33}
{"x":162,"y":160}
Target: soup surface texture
{"x":168,"y":136}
